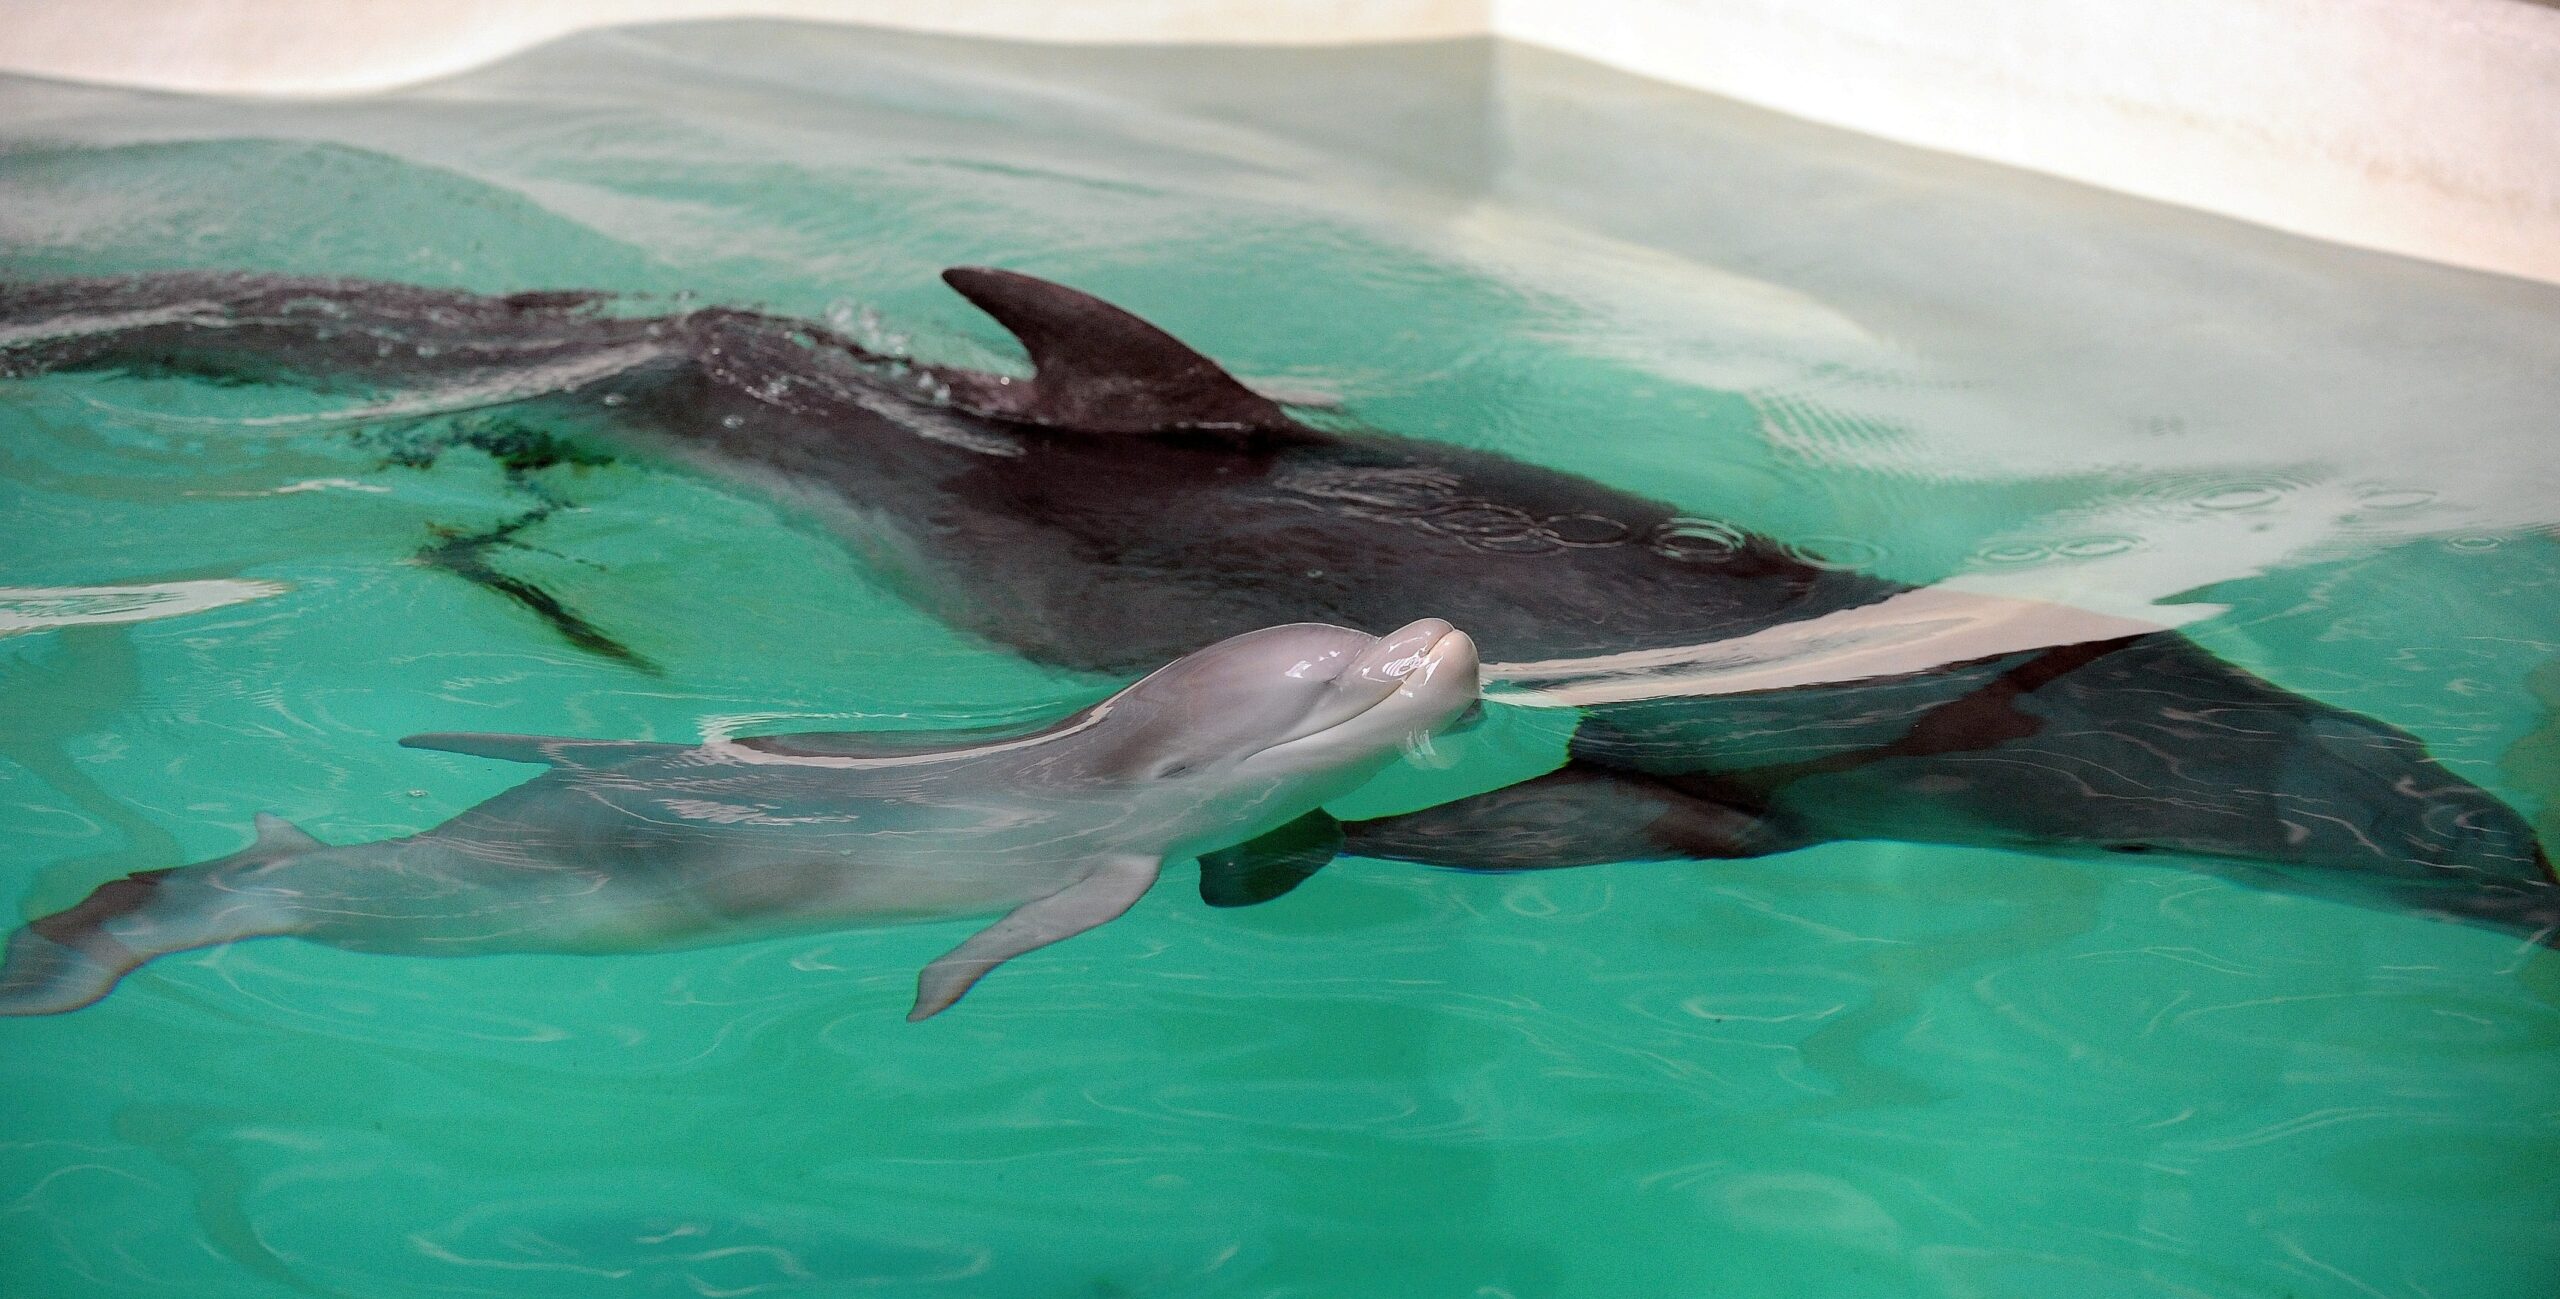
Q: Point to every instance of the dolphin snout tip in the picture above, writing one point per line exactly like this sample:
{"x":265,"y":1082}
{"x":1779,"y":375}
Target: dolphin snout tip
{"x":1423,"y":629}
{"x":1454,"y":652}
{"x":1448,"y":668}
{"x":1408,"y":649}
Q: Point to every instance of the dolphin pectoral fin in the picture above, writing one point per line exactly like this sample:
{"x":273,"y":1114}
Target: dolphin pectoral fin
{"x":1578,"y":815}
{"x":1098,"y":369}
{"x":550,"y":750}
{"x":1261,"y":869}
{"x":1111,"y":889}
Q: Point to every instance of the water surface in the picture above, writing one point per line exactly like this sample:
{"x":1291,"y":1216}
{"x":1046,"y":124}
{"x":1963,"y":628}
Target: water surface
{"x":1859,"y":1070}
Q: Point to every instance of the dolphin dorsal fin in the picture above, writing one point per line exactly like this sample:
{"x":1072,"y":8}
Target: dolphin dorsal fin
{"x":552,"y":750}
{"x":277,"y":835}
{"x":1097,"y":368}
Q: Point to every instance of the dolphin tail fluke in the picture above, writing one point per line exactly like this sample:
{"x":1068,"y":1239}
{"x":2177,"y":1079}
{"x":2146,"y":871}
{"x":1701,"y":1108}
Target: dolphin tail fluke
{"x":72,"y":958}
{"x":68,"y":960}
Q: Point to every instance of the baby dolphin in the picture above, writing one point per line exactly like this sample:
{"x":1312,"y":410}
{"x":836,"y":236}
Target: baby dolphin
{"x":630,"y":846}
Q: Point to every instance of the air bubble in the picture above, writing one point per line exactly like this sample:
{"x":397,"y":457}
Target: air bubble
{"x":2395,"y":500}
{"x":1527,"y":543}
{"x":1839,"y":554}
{"x":2091,"y":547}
{"x":1421,"y":752}
{"x":1698,"y":540}
{"x":2013,"y":552}
{"x":1486,"y":526}
{"x":2220,"y":493}
{"x":1482,"y":520}
{"x":2239,"y":496}
{"x":1587,"y":530}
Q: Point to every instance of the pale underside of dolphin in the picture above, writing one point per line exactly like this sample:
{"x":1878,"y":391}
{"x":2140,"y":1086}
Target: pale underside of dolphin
{"x":1129,"y":500}
{"x":626,"y":846}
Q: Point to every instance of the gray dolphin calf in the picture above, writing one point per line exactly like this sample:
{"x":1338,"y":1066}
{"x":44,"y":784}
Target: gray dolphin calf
{"x":1129,"y":500}
{"x":625,"y":846}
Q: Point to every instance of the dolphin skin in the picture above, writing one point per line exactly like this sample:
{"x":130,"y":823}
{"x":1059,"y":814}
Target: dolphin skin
{"x":1129,"y":500}
{"x":626,"y":846}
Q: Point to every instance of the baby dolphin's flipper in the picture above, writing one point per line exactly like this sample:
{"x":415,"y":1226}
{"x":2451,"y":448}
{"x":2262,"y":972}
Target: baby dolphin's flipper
{"x":1264,"y":868}
{"x":1112,"y":888}
{"x":72,"y":958}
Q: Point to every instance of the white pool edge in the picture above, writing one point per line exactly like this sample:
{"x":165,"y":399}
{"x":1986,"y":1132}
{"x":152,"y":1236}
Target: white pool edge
{"x":2427,"y":128}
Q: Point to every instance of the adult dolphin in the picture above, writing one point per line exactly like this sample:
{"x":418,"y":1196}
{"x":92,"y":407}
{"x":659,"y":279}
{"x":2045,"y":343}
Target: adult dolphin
{"x":625,"y":846}
{"x":1129,"y":500}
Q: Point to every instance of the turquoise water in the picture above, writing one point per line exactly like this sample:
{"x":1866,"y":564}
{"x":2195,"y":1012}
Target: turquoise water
{"x":1859,"y":1070}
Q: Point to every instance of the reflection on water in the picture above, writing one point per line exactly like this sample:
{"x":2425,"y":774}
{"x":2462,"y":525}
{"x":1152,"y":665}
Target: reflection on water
{"x":1857,"y":1068}
{"x":30,"y":608}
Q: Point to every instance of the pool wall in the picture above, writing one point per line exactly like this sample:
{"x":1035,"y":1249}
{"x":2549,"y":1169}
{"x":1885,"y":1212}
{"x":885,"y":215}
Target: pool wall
{"x":2420,"y":127}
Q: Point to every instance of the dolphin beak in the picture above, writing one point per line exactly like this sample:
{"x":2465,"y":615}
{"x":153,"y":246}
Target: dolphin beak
{"x":1426,"y":658}
{"x":1452,"y":655}
{"x":1399,"y":654}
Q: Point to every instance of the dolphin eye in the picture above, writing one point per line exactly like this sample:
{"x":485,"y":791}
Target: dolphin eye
{"x":1169,"y":770}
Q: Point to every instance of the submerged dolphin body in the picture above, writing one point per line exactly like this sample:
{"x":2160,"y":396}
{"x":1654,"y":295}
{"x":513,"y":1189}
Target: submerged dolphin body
{"x":626,"y":846}
{"x":1130,"y":500}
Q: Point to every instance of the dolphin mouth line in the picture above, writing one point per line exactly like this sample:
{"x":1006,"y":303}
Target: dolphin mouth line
{"x":721,"y":746}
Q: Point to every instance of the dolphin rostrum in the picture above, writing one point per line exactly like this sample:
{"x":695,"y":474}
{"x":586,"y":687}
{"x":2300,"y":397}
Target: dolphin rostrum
{"x":1130,"y":500}
{"x":626,"y":846}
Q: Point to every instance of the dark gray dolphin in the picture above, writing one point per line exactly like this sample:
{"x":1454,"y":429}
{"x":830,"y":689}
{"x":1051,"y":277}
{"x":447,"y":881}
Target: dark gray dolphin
{"x":625,"y":846}
{"x":1129,"y":500}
